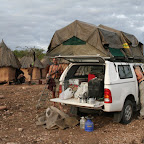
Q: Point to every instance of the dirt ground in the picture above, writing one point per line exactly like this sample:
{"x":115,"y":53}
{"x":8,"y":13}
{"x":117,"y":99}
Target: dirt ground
{"x":17,"y":124}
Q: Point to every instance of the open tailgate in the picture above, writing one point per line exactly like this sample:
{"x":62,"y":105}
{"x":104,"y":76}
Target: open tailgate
{"x":75,"y":102}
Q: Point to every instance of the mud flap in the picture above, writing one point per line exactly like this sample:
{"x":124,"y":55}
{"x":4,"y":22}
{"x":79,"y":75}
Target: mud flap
{"x":74,"y":110}
{"x":117,"y":116}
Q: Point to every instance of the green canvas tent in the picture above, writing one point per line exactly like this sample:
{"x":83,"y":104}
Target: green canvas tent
{"x":80,"y":38}
{"x":131,"y":46}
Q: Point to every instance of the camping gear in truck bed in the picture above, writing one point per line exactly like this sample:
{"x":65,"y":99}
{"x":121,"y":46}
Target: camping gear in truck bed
{"x":96,"y":88}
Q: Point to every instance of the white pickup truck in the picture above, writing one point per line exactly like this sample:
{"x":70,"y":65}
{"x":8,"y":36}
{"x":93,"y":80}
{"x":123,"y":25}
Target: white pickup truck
{"x":120,"y":87}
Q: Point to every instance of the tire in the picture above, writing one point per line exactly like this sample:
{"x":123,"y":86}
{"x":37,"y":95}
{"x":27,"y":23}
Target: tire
{"x":127,"y":112}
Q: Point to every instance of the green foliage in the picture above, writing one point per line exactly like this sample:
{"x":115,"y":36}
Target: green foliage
{"x":39,"y":53}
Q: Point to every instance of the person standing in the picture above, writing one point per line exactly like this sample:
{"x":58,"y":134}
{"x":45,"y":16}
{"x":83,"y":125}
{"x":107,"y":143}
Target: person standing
{"x":140,"y":79}
{"x":30,"y":71}
{"x":55,"y":71}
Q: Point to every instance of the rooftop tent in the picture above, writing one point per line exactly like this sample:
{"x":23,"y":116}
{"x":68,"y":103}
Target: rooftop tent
{"x":131,"y":46}
{"x":112,"y":42}
{"x":8,"y":63}
{"x":80,"y":38}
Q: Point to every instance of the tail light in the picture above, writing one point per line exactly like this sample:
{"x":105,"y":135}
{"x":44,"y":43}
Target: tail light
{"x":107,"y":96}
{"x":60,"y":89}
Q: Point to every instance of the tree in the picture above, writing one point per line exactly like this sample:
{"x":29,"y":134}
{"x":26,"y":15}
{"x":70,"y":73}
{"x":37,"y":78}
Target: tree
{"x":39,"y":53}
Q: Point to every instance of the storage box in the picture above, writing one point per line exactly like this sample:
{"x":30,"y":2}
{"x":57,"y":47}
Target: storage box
{"x":74,"y":81}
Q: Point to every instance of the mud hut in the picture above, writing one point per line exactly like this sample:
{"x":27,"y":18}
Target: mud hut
{"x":8,"y":63}
{"x":46,"y":63}
{"x":37,"y":66}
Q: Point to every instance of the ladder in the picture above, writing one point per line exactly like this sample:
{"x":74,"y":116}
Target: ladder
{"x":42,"y":100}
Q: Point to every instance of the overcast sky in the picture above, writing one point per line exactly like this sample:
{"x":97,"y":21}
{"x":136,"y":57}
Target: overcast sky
{"x":29,"y":23}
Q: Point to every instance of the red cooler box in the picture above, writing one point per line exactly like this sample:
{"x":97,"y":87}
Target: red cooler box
{"x":90,"y":76}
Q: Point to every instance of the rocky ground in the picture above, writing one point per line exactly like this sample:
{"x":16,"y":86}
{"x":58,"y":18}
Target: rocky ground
{"x":17,"y":123}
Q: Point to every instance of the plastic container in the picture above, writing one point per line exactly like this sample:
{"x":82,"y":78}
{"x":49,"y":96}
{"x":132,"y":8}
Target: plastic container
{"x":68,"y":93}
{"x":74,"y":81}
{"x":89,"y":125}
{"x":84,"y":100}
{"x":91,"y":101}
{"x":82,"y":123}
{"x":83,"y":88}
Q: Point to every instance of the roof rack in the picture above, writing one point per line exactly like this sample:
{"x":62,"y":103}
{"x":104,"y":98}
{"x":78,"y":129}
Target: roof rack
{"x":126,"y":59}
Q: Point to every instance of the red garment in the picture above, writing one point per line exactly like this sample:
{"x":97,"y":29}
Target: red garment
{"x":51,"y":84}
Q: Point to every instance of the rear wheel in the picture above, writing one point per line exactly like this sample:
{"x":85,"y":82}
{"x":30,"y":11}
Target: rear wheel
{"x":127,"y":112}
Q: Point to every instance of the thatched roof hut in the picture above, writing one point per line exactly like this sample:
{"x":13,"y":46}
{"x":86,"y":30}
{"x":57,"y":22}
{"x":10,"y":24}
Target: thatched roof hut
{"x":46,"y":61}
{"x":7,"y":57}
{"x":37,"y":66}
{"x":8,"y":63}
{"x":26,"y":61}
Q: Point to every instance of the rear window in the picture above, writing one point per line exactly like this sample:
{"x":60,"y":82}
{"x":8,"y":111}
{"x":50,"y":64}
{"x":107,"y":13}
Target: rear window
{"x":125,"y":71}
{"x":82,"y":71}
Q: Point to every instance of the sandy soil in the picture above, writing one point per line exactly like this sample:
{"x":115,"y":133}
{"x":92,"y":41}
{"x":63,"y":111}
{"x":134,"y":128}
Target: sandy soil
{"x":17,"y":124}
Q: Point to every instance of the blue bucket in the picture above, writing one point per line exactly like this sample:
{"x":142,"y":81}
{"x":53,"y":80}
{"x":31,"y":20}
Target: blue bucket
{"x":89,"y":126}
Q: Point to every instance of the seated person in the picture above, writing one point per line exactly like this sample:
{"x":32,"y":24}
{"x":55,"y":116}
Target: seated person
{"x":19,"y":76}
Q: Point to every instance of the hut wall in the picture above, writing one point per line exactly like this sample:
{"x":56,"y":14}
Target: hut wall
{"x":25,"y":73}
{"x":36,"y":74}
{"x":7,"y":74}
{"x":44,"y":73}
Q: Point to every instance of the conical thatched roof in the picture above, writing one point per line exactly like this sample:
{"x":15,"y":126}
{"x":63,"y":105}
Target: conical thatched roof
{"x":26,"y":61}
{"x":38,"y":64}
{"x":46,"y":61}
{"x":7,"y":57}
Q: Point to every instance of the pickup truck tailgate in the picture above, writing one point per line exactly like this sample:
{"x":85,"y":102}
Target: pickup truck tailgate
{"x":73,"y":101}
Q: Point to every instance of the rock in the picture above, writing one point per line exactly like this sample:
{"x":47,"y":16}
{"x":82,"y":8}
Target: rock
{"x":3,"y":107}
{"x":20,"y":129}
{"x":71,"y":121}
{"x":142,"y":140}
{"x":23,"y":88}
{"x":1,"y":96}
{"x":60,"y":141}
{"x":11,"y":143}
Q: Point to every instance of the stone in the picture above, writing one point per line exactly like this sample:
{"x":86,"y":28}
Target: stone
{"x":71,"y":121}
{"x":3,"y":107}
{"x":20,"y":129}
{"x":11,"y":143}
{"x":1,"y":96}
